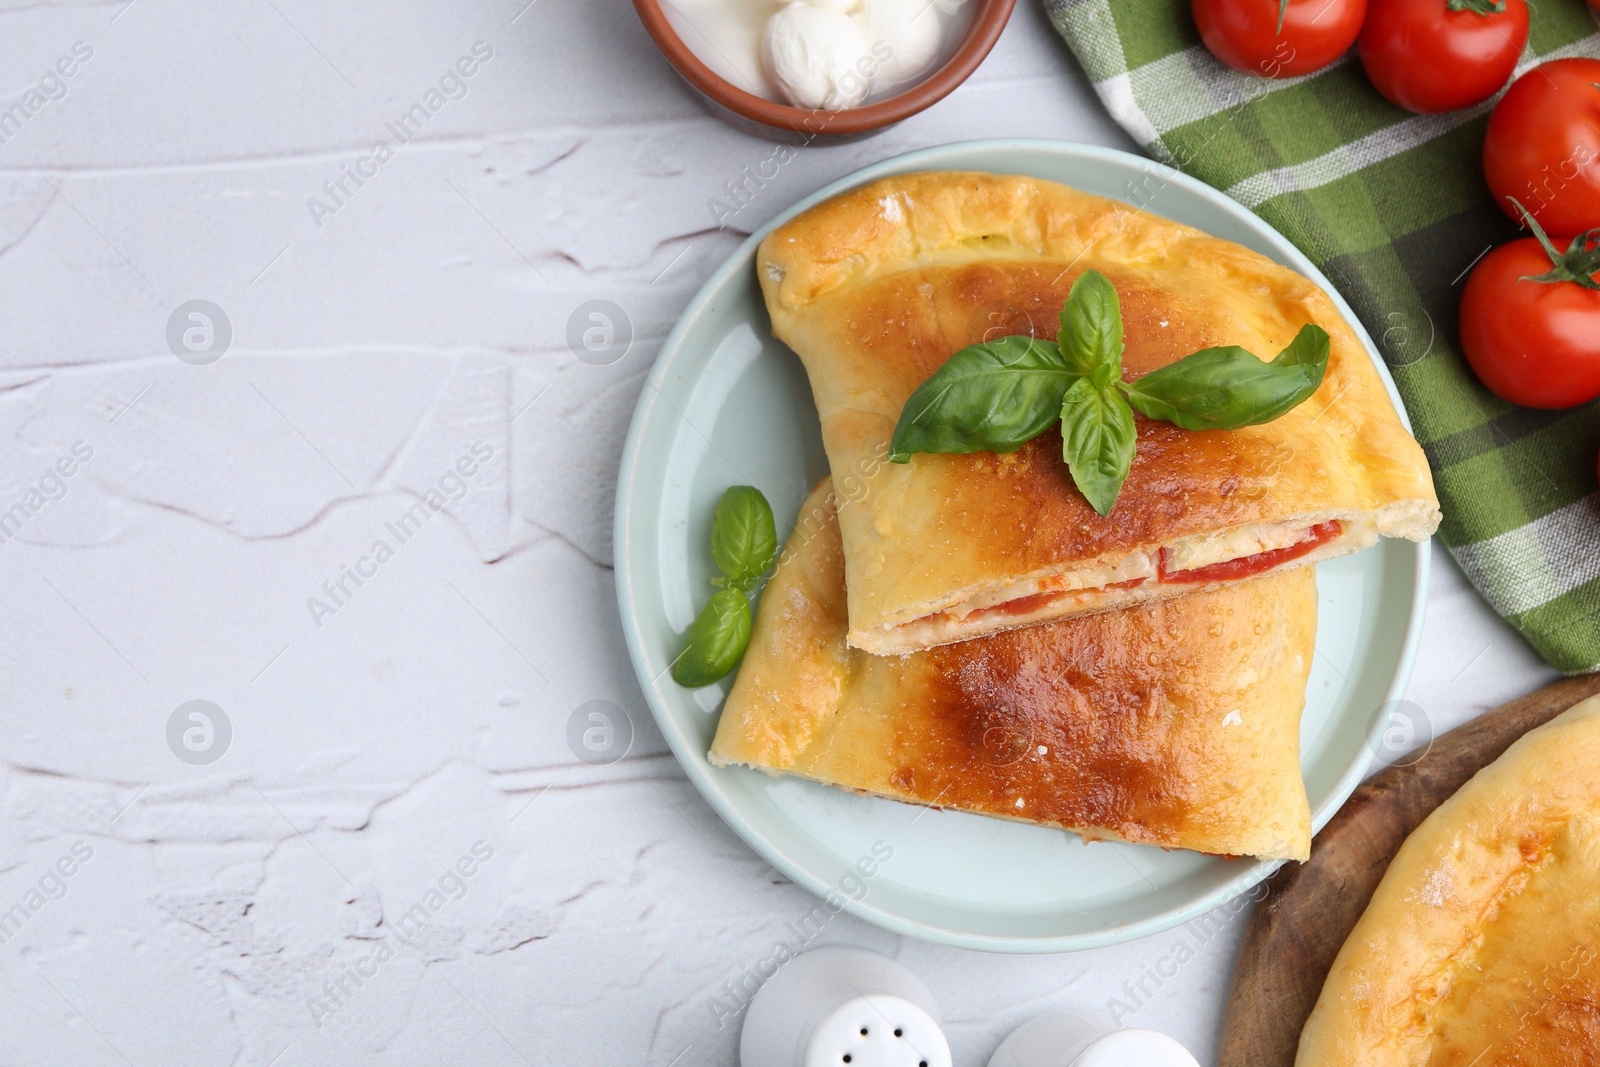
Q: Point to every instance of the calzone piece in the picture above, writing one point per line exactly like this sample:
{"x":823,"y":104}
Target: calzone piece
{"x":1174,"y":723}
{"x":875,"y":289}
{"x":1481,"y":945}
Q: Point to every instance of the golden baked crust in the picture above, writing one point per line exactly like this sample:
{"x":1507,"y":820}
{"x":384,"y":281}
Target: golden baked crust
{"x":1175,"y":723}
{"x":1482,"y":943}
{"x":875,"y":289}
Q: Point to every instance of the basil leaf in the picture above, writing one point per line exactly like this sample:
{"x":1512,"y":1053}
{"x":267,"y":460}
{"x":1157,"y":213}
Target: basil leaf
{"x":744,"y":540}
{"x":1226,"y":388}
{"x":1097,"y":441}
{"x":716,"y":640}
{"x":989,"y":397}
{"x":1091,"y":327}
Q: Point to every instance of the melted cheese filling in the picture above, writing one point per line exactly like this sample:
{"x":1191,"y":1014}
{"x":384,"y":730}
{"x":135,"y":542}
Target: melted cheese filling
{"x":1203,"y":550}
{"x":1032,"y":596}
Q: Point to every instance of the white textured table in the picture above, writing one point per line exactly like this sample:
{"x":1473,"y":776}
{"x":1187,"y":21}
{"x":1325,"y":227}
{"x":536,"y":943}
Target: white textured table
{"x":396,"y":856}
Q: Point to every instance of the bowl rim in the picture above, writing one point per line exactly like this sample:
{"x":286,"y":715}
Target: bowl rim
{"x":988,"y":21}
{"x":704,"y":779}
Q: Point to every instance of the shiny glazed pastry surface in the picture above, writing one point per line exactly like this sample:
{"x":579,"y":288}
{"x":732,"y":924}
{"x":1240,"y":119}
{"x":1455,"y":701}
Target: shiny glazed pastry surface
{"x":1482,"y":943}
{"x":876,"y":288}
{"x":1175,"y":723}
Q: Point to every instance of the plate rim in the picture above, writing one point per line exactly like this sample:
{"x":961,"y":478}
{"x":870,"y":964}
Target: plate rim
{"x":699,"y":771}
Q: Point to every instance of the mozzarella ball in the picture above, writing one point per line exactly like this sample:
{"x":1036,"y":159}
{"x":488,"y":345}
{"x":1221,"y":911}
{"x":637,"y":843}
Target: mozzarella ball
{"x":817,"y":57}
{"x":906,"y":36}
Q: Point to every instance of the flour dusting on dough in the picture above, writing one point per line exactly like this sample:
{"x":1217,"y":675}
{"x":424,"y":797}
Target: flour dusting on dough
{"x":891,"y":209}
{"x":1437,"y":889}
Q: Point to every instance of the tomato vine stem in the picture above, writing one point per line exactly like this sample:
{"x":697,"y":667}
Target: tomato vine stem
{"x":1578,"y":264}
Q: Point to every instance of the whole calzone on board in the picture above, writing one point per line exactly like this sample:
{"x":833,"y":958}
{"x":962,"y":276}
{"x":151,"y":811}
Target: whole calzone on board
{"x":1482,"y":943}
{"x":876,"y":288}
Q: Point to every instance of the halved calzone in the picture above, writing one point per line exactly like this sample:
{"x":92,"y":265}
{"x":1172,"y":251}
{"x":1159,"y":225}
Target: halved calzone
{"x":1481,"y":945}
{"x":876,"y":288}
{"x":1175,"y":723}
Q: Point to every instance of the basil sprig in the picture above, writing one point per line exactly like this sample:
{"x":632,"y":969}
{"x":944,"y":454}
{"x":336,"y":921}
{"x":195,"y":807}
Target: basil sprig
{"x":991,"y":397}
{"x":998,"y":395}
{"x":1097,"y":439}
{"x":744,"y":543}
{"x":1226,"y":388}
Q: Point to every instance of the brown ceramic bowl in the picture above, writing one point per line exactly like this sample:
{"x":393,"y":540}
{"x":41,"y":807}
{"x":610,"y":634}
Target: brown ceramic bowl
{"x":797,"y":124}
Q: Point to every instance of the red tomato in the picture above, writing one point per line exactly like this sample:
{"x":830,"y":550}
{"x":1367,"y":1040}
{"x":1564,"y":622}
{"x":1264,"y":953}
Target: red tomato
{"x":1244,"y":33}
{"x":1532,"y":343}
{"x":1543,"y":146}
{"x":1425,"y":57}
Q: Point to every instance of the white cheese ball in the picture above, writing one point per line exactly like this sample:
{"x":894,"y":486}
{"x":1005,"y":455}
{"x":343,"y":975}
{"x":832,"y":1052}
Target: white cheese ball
{"x":906,"y":36}
{"x":847,"y":6}
{"x":817,"y":57}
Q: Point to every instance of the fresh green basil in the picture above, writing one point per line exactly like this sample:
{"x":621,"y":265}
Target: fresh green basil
{"x":1097,"y":441}
{"x":1227,"y":388}
{"x":1091,"y":327}
{"x":716,"y":640}
{"x":744,"y":541}
{"x":989,"y":397}
{"x":996,"y":396}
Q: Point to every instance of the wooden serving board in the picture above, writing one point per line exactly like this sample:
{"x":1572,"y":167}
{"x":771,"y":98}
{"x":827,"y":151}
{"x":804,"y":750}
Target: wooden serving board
{"x":1310,"y":908}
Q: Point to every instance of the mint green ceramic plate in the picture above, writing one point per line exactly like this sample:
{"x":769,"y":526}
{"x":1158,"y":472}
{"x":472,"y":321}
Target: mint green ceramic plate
{"x":728,"y":405}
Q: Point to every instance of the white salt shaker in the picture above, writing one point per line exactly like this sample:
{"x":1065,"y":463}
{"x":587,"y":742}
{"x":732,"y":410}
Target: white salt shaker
{"x":842,"y":1007}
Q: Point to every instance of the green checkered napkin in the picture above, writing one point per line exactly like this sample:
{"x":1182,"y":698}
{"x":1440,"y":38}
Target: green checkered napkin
{"x":1393,"y":208}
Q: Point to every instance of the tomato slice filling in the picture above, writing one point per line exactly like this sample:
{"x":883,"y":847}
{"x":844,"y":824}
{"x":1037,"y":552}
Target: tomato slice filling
{"x":1227,"y":570}
{"x":1245,"y":566}
{"x":1025,"y":605}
